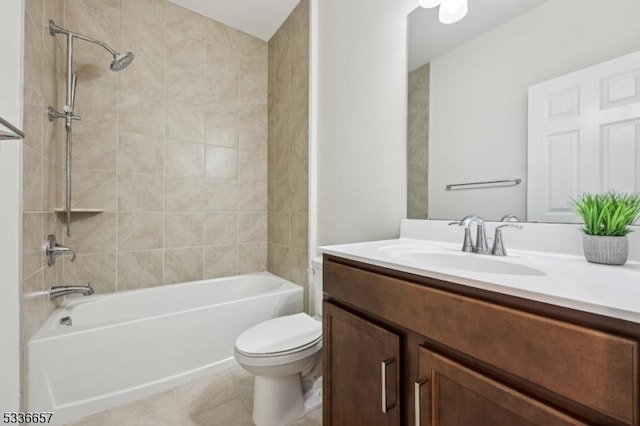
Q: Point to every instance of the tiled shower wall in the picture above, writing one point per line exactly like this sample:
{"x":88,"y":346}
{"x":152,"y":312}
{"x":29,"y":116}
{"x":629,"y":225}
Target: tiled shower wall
{"x":418,"y":144}
{"x":289,"y":148}
{"x":42,"y":164}
{"x":173,"y":148}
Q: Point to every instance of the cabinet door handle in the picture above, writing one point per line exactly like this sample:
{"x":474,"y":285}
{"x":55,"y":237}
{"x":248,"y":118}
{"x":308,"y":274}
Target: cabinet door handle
{"x":418,"y":400}
{"x":386,"y":382}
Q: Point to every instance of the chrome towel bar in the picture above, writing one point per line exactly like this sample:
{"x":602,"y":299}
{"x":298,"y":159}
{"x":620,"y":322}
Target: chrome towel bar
{"x":16,"y":133}
{"x":505,"y":182}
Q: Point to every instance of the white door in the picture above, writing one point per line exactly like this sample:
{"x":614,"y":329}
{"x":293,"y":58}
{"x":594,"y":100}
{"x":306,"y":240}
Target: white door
{"x":584,"y":136}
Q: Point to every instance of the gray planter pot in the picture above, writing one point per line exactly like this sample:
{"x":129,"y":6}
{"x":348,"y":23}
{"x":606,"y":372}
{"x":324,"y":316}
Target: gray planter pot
{"x":606,"y":250}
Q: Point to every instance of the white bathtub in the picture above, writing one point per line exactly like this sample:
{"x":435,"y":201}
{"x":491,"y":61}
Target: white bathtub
{"x":129,"y":345}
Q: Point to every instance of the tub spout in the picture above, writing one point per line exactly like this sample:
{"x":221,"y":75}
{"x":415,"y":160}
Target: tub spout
{"x":64,"y":290}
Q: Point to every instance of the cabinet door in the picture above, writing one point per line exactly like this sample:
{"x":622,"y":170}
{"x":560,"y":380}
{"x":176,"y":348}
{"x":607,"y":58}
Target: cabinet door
{"x":449,"y":394}
{"x":361,"y":371}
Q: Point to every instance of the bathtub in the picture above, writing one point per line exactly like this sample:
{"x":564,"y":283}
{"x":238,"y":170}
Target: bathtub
{"x":125,"y":346}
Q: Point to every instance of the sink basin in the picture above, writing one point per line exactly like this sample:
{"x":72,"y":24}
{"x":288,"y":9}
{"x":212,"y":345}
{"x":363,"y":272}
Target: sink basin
{"x":463,"y":262}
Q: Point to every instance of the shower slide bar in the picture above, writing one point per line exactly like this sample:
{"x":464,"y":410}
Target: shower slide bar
{"x":14,"y":134}
{"x":505,"y":182}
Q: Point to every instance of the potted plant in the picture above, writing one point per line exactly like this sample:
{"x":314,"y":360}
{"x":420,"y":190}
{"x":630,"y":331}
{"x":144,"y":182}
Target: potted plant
{"x":607,"y":219}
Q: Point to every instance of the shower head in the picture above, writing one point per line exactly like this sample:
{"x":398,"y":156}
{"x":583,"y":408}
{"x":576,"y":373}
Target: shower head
{"x":121,"y":61}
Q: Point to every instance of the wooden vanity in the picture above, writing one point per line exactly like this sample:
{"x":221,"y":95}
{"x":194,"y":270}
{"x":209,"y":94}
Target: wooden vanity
{"x":405,"y":349}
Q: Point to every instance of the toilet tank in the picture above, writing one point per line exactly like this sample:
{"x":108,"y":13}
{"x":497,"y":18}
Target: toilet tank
{"x":316,"y":290}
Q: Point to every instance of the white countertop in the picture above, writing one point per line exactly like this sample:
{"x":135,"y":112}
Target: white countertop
{"x":566,"y":280}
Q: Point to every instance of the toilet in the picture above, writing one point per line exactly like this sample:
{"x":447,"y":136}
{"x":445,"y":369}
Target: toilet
{"x":285,"y":355}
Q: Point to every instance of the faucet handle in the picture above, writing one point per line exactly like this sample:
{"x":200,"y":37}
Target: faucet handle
{"x":510,"y":218}
{"x":498,"y":242}
{"x":467,"y":245}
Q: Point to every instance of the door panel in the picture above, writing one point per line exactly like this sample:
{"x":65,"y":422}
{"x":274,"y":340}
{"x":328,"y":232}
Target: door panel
{"x":459,"y":396}
{"x":361,"y":371}
{"x":583,"y":136}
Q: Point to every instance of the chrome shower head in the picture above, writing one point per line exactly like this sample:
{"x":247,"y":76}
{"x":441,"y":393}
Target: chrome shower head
{"x":121,"y":61}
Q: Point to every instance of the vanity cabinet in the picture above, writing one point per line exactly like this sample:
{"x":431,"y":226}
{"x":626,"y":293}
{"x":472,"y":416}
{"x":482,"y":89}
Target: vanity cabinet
{"x":447,"y":354}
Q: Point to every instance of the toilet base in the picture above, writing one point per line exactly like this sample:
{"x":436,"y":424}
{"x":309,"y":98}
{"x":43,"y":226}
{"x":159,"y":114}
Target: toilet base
{"x":277,"y":401}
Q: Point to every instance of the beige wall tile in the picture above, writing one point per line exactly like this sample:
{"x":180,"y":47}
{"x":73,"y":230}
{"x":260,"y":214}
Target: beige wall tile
{"x":221,"y":162}
{"x":253,"y":75}
{"x":299,"y":266}
{"x":252,"y":197}
{"x":183,"y":265}
{"x":32,"y":243}
{"x":252,"y":258}
{"x":150,"y":10}
{"x":280,"y":231}
{"x":184,"y":158}
{"x":253,"y":165}
{"x":98,"y":269}
{"x":278,"y":259}
{"x":140,"y":153}
{"x":222,"y":130}
{"x":223,"y":67}
{"x":185,"y":87}
{"x":186,"y":53}
{"x":220,"y":229}
{"x":33,"y":56}
{"x":147,"y":40}
{"x":95,"y":148}
{"x":223,"y":100}
{"x":139,"y":114}
{"x":141,"y":193}
{"x":253,"y":134}
{"x":139,"y":269}
{"x":32,"y":179}
{"x":92,"y":233}
{"x":184,"y":194}
{"x":97,"y":102}
{"x":252,"y":228}
{"x":94,"y":189}
{"x":140,"y":231}
{"x":221,"y":195}
{"x":299,"y":231}
{"x":33,"y":119}
{"x":186,"y":21}
{"x":282,"y":196}
{"x":183,"y":230}
{"x":185,"y":123}
{"x":252,"y":105}
{"x":220,"y":261}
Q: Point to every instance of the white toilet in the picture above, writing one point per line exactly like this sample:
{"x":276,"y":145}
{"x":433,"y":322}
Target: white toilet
{"x":285,"y":356}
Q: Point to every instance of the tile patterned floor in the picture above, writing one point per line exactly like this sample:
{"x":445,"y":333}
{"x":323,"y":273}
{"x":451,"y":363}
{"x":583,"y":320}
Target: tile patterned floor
{"x":223,"y":400}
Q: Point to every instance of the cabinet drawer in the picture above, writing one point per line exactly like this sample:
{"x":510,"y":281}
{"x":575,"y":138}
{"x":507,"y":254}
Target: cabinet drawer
{"x":592,"y":368}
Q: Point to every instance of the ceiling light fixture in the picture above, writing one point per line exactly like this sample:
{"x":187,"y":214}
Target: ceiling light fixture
{"x":451,"y":11}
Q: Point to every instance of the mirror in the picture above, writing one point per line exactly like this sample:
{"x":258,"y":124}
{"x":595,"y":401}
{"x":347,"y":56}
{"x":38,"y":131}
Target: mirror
{"x":541,"y":98}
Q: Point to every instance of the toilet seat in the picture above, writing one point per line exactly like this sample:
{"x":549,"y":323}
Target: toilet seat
{"x":292,"y":337}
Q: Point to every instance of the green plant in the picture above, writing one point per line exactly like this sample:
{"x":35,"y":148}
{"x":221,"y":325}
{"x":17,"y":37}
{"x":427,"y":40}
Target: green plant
{"x":608,"y":214}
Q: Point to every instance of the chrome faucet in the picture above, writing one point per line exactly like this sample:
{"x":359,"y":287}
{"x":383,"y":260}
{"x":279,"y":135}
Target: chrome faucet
{"x":498,"y":243}
{"x":481,"y":246}
{"x":53,"y":250}
{"x":65,"y":290}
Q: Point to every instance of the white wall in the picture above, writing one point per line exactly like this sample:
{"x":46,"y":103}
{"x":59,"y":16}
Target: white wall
{"x":479,"y":96}
{"x":11,"y":35}
{"x":359,"y":119}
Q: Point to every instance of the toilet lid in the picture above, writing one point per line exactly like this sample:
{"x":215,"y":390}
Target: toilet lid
{"x":281,"y":334}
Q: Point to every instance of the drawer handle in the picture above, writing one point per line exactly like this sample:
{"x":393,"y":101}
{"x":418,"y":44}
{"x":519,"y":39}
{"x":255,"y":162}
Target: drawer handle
{"x":384,"y":368}
{"x":418,"y":399}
